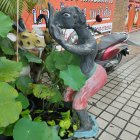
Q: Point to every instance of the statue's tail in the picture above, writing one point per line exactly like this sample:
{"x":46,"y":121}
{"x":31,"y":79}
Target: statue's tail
{"x":45,"y":17}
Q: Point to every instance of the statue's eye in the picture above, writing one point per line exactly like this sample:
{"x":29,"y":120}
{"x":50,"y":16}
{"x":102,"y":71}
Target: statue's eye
{"x":66,"y":15}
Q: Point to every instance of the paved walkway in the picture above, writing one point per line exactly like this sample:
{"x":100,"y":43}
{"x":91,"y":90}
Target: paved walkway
{"x":117,"y":105}
{"x":134,"y":38}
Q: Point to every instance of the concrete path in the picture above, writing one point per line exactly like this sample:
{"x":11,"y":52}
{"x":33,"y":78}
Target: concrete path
{"x":117,"y":105}
{"x":134,"y":38}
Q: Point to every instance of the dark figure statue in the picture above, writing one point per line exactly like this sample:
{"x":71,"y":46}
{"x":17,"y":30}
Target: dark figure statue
{"x":86,"y":48}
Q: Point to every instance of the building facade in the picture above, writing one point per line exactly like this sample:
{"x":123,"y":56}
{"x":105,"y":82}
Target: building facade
{"x":117,"y":15}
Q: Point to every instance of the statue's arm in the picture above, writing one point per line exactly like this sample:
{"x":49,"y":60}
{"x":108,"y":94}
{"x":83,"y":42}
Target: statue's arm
{"x":82,"y":49}
{"x":56,"y":33}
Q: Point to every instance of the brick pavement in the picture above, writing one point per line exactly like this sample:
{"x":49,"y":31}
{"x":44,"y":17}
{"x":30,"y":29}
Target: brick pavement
{"x":117,"y":105}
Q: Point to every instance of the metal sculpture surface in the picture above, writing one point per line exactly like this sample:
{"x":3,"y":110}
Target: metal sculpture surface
{"x":86,"y":48}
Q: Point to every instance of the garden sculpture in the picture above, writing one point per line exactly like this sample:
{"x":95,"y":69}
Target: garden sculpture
{"x":86,"y":48}
{"x":33,"y":41}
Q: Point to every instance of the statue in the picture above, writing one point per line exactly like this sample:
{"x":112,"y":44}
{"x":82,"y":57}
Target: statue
{"x":86,"y":48}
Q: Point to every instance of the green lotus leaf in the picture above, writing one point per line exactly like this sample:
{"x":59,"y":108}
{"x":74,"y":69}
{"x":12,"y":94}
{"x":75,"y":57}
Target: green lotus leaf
{"x":2,"y":130}
{"x":50,"y":63}
{"x":6,"y":46}
{"x":9,"y":70}
{"x":73,"y":77}
{"x":5,"y":24}
{"x":23,"y":84}
{"x":9,"y":108}
{"x":57,"y":97}
{"x":45,"y":92}
{"x":26,"y":129}
{"x":9,"y":130}
{"x":65,"y":58}
{"x":41,"y":91}
{"x":32,"y":58}
{"x":23,"y":58}
{"x":24,"y":100}
{"x":60,"y":60}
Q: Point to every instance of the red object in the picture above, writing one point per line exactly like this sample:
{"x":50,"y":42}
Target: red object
{"x":138,"y":21}
{"x":110,"y":53}
{"x":91,"y":87}
{"x":131,"y":16}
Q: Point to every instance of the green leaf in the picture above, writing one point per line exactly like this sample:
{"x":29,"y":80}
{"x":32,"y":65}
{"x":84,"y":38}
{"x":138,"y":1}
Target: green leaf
{"x":62,"y":132}
{"x":66,"y":115}
{"x":65,"y":124}
{"x":26,"y":114}
{"x":56,"y":98}
{"x":13,"y":84}
{"x":5,"y":24}
{"x":42,"y":91}
{"x":6,"y":46}
{"x":23,"y":58}
{"x":9,"y":108}
{"x":51,"y":123}
{"x":32,"y":58}
{"x":24,"y":100}
{"x":65,"y":58}
{"x":1,"y":130}
{"x":9,"y":70}
{"x":28,"y":130}
{"x":45,"y":92}
{"x":73,"y":77}
{"x":50,"y":63}
{"x":60,"y":60}
{"x":9,"y":130}
{"x":38,"y":119}
{"x":23,"y":84}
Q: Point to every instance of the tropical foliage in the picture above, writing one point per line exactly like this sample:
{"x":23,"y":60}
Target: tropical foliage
{"x":30,"y":107}
{"x":33,"y":105}
{"x":9,"y":7}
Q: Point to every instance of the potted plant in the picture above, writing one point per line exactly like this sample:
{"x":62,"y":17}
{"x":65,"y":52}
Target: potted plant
{"x":31,"y":109}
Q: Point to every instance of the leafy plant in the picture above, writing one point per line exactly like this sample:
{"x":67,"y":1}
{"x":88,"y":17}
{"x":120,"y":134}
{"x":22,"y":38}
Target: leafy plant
{"x":9,"y":70}
{"x":15,"y":90}
{"x":42,"y":91}
{"x":6,"y":46}
{"x":26,"y":103}
{"x":23,"y":84}
{"x":60,"y":60}
{"x":45,"y":92}
{"x":9,"y":7}
{"x":1,"y":130}
{"x":5,"y":24}
{"x":10,"y":108}
{"x":8,"y":131}
{"x":32,"y":58}
{"x":23,"y":100}
{"x":26,"y":129}
{"x":73,"y":77}
{"x":67,"y":66}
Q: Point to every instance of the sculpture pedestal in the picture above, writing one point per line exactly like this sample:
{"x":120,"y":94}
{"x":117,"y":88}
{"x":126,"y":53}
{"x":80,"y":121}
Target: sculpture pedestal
{"x":91,"y":133}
